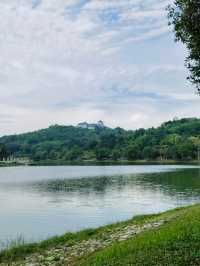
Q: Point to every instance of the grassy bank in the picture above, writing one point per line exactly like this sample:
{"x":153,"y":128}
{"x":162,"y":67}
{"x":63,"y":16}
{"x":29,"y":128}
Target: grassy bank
{"x":170,"y":238}
{"x":10,"y":163}
{"x":175,"y":243}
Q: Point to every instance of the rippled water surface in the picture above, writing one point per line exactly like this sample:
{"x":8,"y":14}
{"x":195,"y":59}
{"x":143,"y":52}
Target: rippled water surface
{"x":38,"y":202}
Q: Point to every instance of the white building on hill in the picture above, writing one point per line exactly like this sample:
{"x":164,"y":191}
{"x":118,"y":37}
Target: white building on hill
{"x":99,"y":124}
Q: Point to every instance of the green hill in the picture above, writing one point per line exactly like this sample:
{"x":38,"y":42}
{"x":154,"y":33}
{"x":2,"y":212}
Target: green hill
{"x":176,"y":140}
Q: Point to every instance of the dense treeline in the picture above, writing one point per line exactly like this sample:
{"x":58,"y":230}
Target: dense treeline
{"x":177,"y":140}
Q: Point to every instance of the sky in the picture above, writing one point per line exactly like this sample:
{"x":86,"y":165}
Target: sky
{"x":68,"y":61}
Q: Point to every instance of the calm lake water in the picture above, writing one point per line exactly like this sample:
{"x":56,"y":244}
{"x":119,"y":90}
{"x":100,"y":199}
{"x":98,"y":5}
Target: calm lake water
{"x":38,"y":202}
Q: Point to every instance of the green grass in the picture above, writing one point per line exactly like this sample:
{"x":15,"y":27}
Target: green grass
{"x":175,"y":243}
{"x":9,"y":164}
{"x":19,"y":251}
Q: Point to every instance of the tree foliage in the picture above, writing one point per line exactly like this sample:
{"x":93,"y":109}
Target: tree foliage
{"x":177,"y":140}
{"x":4,"y":153}
{"x":184,"y":15}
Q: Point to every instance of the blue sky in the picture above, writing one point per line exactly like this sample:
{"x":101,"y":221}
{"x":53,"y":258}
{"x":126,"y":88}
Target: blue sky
{"x":66,"y":61}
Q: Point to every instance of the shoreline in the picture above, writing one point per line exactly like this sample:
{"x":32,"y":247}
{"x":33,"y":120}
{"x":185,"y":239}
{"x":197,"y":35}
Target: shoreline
{"x":93,"y":163}
{"x":99,"y":245}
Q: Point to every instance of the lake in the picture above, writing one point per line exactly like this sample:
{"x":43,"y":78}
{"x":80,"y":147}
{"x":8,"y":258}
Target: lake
{"x":39,"y":202}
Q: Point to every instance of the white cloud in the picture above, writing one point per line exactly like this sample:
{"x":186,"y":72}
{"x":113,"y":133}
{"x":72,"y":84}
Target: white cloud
{"x":71,"y":60}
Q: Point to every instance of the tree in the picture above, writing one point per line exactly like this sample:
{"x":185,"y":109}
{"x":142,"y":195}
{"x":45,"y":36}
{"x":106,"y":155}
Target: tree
{"x":133,"y":152}
{"x":186,"y":150}
{"x":102,"y":154}
{"x":4,"y":154}
{"x":184,"y":15}
{"x":163,"y":152}
{"x":74,"y":154}
{"x":116,"y":154}
{"x":196,"y":142}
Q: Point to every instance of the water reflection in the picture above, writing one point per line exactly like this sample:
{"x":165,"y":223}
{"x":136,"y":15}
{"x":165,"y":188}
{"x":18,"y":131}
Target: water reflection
{"x":178,"y":183}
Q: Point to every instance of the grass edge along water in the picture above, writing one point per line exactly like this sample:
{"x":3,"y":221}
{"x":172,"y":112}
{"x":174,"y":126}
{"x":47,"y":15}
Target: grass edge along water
{"x":175,"y":241}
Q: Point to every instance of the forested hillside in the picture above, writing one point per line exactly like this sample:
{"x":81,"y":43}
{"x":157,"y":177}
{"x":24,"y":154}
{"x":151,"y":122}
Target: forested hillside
{"x":177,"y":140}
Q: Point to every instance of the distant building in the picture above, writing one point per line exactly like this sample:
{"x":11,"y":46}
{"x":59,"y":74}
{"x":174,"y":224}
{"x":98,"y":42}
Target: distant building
{"x":99,"y":124}
{"x":83,"y":125}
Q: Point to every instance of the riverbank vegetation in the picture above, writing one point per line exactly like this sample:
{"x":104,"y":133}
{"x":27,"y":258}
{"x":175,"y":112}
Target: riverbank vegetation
{"x":176,"y":140}
{"x":170,"y":238}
